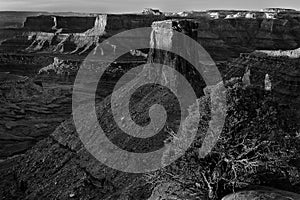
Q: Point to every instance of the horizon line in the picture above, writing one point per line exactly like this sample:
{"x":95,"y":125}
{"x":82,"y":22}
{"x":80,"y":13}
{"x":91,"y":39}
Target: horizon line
{"x":140,"y":11}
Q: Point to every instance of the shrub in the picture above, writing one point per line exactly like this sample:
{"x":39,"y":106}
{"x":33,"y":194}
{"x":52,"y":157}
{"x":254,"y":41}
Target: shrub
{"x":256,"y":146}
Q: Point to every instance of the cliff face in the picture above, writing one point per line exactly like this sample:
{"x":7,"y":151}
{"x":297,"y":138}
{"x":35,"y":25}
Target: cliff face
{"x":40,"y":23}
{"x":68,"y":34}
{"x":221,"y":37}
{"x":224,"y":38}
{"x":166,"y":40}
{"x":80,"y":24}
{"x":64,"y":34}
{"x":68,"y":24}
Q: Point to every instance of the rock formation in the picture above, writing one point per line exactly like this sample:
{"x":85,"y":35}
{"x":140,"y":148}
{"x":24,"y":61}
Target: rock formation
{"x":283,"y":71}
{"x":151,"y":11}
{"x":59,"y":67}
{"x":79,"y":34}
{"x":59,"y":167}
{"x":68,"y":34}
{"x":264,"y":193}
{"x":295,"y":53}
{"x":268,"y":84}
{"x":246,"y":78}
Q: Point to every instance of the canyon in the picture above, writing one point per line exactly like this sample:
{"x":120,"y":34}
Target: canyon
{"x":80,"y":34}
{"x":42,"y":155}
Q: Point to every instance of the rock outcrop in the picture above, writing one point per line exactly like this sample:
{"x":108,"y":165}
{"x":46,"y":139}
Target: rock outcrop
{"x":151,"y":11}
{"x":59,"y":67}
{"x":265,"y":193}
{"x":280,"y":53}
{"x":283,"y":72}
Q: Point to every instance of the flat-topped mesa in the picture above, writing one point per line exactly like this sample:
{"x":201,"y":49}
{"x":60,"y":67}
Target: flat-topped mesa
{"x":68,"y":24}
{"x":81,"y":24}
{"x":224,"y":34}
{"x":229,"y":14}
{"x":73,"y":34}
{"x":227,"y":38}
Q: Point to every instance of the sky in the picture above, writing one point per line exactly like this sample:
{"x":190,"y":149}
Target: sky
{"x":122,"y":6}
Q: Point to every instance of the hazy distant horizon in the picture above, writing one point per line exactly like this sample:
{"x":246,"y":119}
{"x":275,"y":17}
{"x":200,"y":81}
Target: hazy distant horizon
{"x":131,"y":6}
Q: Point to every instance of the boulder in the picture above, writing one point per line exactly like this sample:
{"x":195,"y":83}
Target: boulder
{"x":266,"y":194}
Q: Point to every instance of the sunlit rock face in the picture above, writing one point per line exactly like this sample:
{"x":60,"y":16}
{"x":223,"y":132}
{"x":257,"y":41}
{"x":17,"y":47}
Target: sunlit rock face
{"x":163,"y":37}
{"x":70,"y":34}
{"x":65,"y":34}
{"x":295,"y":53}
{"x":227,"y":38}
{"x":224,"y":34}
{"x":68,"y":24}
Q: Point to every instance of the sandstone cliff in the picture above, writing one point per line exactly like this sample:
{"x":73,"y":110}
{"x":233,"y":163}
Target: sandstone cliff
{"x":68,"y":34}
{"x":81,"y":34}
{"x":224,"y":38}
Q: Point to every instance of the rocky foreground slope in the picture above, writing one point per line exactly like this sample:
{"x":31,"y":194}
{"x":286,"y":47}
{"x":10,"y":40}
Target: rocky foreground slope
{"x":59,"y":167}
{"x":29,"y":112}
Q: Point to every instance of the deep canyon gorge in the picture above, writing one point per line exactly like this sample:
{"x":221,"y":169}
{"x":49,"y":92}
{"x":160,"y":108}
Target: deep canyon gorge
{"x":42,"y":156}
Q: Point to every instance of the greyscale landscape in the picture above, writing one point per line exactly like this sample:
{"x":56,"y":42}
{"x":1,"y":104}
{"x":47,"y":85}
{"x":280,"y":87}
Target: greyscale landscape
{"x":237,"y":139}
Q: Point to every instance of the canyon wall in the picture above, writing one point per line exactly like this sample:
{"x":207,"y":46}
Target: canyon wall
{"x":69,"y":24}
{"x":223,"y":38}
{"x":70,"y":34}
